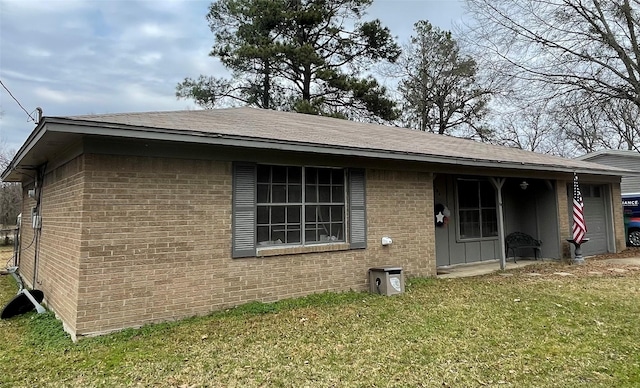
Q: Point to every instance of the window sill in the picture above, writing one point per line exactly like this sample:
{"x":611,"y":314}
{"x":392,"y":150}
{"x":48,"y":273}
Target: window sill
{"x":295,"y":250}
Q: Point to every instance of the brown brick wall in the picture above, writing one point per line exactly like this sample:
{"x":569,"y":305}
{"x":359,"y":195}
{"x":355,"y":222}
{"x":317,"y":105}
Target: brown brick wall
{"x":618,"y":218}
{"x":58,"y":243}
{"x":400,"y":205}
{"x":27,"y":247}
{"x":158,"y":232}
{"x":128,"y":241}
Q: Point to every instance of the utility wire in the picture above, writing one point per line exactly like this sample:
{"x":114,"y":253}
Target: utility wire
{"x":16,"y":100}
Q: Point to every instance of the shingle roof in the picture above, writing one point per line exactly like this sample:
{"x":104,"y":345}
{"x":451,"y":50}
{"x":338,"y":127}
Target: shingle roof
{"x":294,"y":128}
{"x":623,"y":153}
{"x":266,"y":129}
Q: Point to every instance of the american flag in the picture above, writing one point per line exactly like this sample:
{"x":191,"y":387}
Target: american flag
{"x":579,"y":226}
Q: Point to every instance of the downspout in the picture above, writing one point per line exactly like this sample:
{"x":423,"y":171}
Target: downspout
{"x":36,"y":220}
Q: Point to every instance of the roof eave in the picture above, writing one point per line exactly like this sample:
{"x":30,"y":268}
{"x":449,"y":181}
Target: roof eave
{"x":80,"y":127}
{"x":120,"y":130}
{"x":28,"y":145}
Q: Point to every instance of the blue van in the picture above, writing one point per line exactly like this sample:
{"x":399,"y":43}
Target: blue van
{"x":631,"y":208}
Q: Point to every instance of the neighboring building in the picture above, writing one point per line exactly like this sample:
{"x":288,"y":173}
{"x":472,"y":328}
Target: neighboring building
{"x":138,"y":218}
{"x":625,"y":159}
{"x":630,"y":186}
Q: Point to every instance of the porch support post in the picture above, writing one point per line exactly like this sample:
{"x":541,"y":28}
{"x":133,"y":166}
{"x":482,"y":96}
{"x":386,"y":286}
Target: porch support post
{"x":498,"y":183}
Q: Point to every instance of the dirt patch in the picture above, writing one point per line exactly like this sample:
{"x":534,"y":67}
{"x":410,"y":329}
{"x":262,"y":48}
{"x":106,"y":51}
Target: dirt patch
{"x":611,"y":264}
{"x":629,"y":252}
{"x":6,"y":253}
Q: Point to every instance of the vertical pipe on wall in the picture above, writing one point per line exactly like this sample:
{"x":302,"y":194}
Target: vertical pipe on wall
{"x":37,"y":227}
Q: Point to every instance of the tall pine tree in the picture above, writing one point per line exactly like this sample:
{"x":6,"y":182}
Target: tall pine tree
{"x":303,"y":55}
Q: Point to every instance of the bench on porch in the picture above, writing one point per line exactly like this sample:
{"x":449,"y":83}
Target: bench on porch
{"x":518,"y":240}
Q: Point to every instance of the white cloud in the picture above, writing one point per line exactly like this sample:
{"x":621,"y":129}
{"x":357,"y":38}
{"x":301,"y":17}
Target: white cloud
{"x":153,"y":30}
{"x":100,"y":56}
{"x":52,"y":95}
{"x":148,"y":58}
{"x":34,"y":7}
{"x":37,"y":52}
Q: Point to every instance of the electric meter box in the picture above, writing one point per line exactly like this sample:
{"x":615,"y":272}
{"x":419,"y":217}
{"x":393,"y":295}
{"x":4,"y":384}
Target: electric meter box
{"x":386,"y":280}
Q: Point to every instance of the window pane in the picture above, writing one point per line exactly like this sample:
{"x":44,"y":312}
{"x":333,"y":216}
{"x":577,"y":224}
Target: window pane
{"x":337,"y":177}
{"x":311,"y":175}
{"x":324,"y":176}
{"x":337,"y":213}
{"x":279,"y":174}
{"x":277,"y":214}
{"x":295,"y":193}
{"x":295,"y":174}
{"x":596,"y":191}
{"x":293,"y":236}
{"x":310,"y":214}
{"x":279,"y":194}
{"x":468,"y":194}
{"x":263,"y":215}
{"x":264,"y":173}
{"x":263,"y":193}
{"x":324,"y":231}
{"x":293,"y":214}
{"x":263,"y":234}
{"x":277,"y":236}
{"x":336,"y":231}
{"x":337,"y":194}
{"x":469,"y":224}
{"x":310,"y":233}
{"x":323,"y":213}
{"x":311,"y":194}
{"x":487,"y":194}
{"x":324,"y":194}
{"x":489,"y":223}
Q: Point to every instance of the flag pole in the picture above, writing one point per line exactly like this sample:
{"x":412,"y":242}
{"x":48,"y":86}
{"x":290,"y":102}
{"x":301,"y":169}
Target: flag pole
{"x":579,"y":229}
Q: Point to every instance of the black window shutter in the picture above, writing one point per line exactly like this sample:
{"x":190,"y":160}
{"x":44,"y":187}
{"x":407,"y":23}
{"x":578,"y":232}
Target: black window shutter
{"x":357,"y":209}
{"x":244,"y":210}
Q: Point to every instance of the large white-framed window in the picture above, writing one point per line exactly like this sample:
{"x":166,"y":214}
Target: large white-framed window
{"x":477,"y":213}
{"x":289,"y":215}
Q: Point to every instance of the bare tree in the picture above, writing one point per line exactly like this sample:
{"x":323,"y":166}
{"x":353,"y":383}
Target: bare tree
{"x":526,"y":128}
{"x":10,"y":193}
{"x":624,"y":120}
{"x":582,"y":56}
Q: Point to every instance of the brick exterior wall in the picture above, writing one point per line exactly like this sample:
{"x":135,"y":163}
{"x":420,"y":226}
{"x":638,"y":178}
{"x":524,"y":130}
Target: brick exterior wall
{"x":156,"y":243}
{"x":128,"y":241}
{"x":618,"y":217}
{"x":58,"y":244}
{"x":27,"y":247}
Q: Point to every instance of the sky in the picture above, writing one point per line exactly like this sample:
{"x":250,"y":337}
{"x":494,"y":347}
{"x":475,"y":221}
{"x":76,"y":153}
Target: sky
{"x":78,"y":57}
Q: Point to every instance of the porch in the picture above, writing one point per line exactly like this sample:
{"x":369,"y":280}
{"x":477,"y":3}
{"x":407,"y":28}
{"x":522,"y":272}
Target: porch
{"x":481,"y":268}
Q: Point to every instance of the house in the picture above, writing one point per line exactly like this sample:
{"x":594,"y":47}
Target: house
{"x":630,"y":186}
{"x":137,"y":218}
{"x":626,"y":159}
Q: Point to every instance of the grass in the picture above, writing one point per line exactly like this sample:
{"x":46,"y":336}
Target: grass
{"x":517,"y":331}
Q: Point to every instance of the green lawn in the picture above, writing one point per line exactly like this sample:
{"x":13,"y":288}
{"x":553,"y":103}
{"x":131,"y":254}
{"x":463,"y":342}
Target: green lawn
{"x":498,"y":331}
